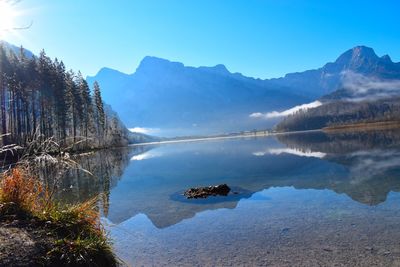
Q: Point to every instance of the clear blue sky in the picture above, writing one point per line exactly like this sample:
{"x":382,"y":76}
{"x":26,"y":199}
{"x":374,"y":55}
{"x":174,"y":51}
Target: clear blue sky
{"x":259,"y":38}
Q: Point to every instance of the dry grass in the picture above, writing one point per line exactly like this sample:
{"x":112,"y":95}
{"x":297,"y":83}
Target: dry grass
{"x":363,"y":126}
{"x":80,"y":238}
{"x":23,"y":190}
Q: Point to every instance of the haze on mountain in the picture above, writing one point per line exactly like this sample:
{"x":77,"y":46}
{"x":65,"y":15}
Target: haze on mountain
{"x":190,"y":101}
{"x":183,"y":100}
{"x":368,"y":91}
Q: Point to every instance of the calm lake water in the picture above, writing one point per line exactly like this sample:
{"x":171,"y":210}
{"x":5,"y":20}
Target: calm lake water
{"x":304,"y":200}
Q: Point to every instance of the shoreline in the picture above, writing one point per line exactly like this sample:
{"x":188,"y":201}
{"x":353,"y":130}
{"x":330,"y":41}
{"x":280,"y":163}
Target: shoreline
{"x":37,"y":230}
{"x":212,"y":138}
{"x":367,"y":126}
{"x":364,"y":126}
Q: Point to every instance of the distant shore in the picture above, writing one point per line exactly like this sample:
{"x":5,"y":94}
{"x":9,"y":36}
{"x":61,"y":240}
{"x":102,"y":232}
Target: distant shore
{"x":223,"y":137}
{"x":364,"y":126}
{"x":199,"y":139}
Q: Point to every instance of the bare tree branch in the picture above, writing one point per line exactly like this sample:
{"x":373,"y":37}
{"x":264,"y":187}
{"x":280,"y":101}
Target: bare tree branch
{"x":23,"y":28}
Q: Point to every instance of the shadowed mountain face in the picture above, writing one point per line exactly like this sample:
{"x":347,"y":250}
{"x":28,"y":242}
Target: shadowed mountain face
{"x":151,"y":180}
{"x":368,"y":91}
{"x":186,"y":100}
{"x":361,"y":60}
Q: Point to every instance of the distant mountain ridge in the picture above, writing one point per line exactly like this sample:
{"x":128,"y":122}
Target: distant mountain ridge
{"x":167,"y":94}
{"x":16,"y":49}
{"x":369,"y":92}
{"x":188,"y":100}
{"x":325,"y":80}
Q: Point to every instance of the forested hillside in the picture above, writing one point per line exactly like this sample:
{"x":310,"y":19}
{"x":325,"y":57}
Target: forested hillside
{"x":336,"y":113}
{"x":40,"y":99}
{"x":183,"y":100}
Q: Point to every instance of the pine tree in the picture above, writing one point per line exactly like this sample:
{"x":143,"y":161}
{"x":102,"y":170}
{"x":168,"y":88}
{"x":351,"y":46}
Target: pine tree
{"x":60,"y":89}
{"x":40,"y":99}
{"x":98,"y":105}
{"x":86,"y":107}
{"x":4,"y":66}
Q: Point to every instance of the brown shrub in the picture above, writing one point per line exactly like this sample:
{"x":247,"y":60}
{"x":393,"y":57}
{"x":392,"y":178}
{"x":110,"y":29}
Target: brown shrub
{"x":21,"y":189}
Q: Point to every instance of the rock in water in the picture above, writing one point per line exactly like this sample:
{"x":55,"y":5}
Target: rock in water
{"x":204,"y":192}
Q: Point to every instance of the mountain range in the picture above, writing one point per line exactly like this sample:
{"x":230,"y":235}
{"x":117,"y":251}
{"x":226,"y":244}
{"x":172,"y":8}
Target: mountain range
{"x":175,"y":100}
{"x":186,"y":100}
{"x":182,"y":100}
{"x":360,"y":59}
{"x":369,"y":91}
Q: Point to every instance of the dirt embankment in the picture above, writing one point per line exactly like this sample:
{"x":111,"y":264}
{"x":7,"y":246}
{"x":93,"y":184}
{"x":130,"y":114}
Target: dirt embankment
{"x":24,"y":241}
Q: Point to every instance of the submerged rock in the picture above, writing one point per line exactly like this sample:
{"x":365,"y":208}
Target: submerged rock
{"x":204,"y":192}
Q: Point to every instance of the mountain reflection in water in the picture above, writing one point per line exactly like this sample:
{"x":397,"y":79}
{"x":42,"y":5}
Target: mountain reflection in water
{"x":148,"y":180}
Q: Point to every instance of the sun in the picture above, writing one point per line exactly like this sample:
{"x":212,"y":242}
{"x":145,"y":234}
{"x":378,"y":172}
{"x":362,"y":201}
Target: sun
{"x":7,"y":17}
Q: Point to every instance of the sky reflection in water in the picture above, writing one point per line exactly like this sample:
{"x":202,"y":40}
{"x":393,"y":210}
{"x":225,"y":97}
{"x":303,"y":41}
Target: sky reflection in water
{"x":311,"y":199}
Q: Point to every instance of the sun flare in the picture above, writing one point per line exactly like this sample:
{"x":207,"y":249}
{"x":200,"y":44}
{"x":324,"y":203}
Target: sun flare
{"x":7,"y":17}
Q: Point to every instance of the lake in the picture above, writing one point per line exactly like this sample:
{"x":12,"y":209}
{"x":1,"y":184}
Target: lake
{"x":303,"y":200}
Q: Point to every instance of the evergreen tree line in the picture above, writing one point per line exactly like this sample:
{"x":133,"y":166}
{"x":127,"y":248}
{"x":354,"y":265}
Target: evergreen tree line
{"x":336,"y":113}
{"x":40,"y":99}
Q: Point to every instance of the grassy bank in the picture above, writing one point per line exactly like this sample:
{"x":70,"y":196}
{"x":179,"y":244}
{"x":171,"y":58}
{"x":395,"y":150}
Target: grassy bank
{"x":45,"y":232}
{"x":363,"y":126}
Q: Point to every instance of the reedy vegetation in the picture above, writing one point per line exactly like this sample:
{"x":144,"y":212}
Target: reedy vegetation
{"x":74,"y":233}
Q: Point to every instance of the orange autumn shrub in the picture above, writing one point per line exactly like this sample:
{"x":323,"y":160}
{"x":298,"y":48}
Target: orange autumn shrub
{"x":80,"y":240}
{"x":23,"y":190}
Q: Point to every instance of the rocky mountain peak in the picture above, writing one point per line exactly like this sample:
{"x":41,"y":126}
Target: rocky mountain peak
{"x":155,"y":64}
{"x":357,"y":56}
